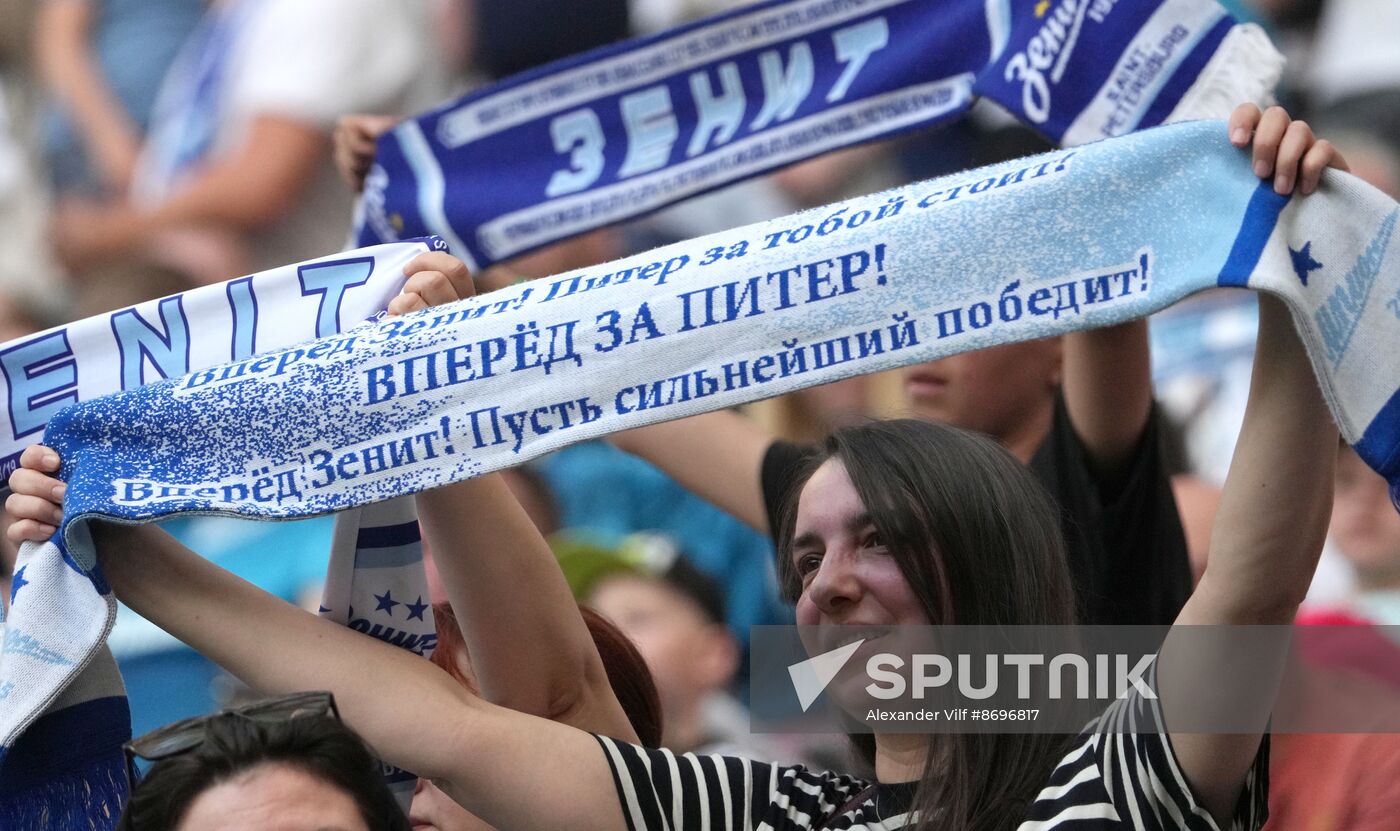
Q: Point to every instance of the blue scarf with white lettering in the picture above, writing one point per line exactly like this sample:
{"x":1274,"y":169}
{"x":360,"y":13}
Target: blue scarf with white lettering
{"x":1028,"y":249}
{"x":626,"y":129}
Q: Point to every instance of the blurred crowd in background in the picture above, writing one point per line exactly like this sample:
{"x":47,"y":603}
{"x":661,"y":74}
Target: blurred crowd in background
{"x":150,"y":146}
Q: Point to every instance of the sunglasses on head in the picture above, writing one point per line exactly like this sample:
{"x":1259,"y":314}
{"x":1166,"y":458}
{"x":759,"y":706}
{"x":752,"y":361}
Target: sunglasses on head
{"x":184,"y":736}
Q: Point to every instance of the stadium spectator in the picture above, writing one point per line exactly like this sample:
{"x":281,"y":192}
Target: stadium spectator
{"x":674,"y":614}
{"x":1091,"y":440}
{"x":1366,"y":531}
{"x":239,"y":145}
{"x":285,"y":763}
{"x":433,"y":810}
{"x":1334,"y":781}
{"x":102,"y":62}
{"x":26,"y":269}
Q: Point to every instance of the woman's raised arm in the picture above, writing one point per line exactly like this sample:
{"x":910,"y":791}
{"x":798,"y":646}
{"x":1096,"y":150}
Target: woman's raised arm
{"x":530,"y":648}
{"x":1273,"y":511}
{"x":1268,"y":535}
{"x":412,"y":714}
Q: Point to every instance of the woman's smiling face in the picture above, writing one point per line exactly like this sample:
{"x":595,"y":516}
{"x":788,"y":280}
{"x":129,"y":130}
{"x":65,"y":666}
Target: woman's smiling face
{"x":848,"y":577}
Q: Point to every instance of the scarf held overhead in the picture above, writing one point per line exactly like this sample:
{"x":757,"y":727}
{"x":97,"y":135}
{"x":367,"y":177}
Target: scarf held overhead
{"x":626,"y":129}
{"x":1028,"y":249}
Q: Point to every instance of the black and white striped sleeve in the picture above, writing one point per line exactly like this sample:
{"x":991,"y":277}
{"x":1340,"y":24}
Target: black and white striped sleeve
{"x":1122,"y":773}
{"x":659,"y":789}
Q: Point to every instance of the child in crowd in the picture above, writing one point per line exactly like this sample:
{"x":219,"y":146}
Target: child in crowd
{"x":674,"y":613}
{"x":631,"y":682}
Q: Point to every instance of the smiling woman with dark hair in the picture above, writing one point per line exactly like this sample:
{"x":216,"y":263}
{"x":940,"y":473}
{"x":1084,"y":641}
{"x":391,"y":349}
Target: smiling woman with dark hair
{"x":890,"y":493}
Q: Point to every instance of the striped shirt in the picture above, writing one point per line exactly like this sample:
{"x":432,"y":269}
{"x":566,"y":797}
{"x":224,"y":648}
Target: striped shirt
{"x":1112,"y":778}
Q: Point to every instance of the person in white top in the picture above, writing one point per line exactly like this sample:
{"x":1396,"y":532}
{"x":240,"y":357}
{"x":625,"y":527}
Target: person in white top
{"x":239,"y":144}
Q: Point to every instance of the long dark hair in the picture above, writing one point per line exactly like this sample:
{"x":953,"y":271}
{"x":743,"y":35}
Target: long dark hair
{"x":978,"y":541}
{"x":321,"y":747}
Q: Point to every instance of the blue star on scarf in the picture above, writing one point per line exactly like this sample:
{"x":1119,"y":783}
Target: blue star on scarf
{"x":386,"y":603}
{"x":1303,"y":263}
{"x":415,"y":610}
{"x":19,"y":582}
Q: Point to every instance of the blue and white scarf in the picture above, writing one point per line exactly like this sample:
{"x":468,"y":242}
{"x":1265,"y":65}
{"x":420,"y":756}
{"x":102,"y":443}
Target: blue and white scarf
{"x":41,"y":374}
{"x":1028,"y":249}
{"x":626,"y":129}
{"x":67,"y":768}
